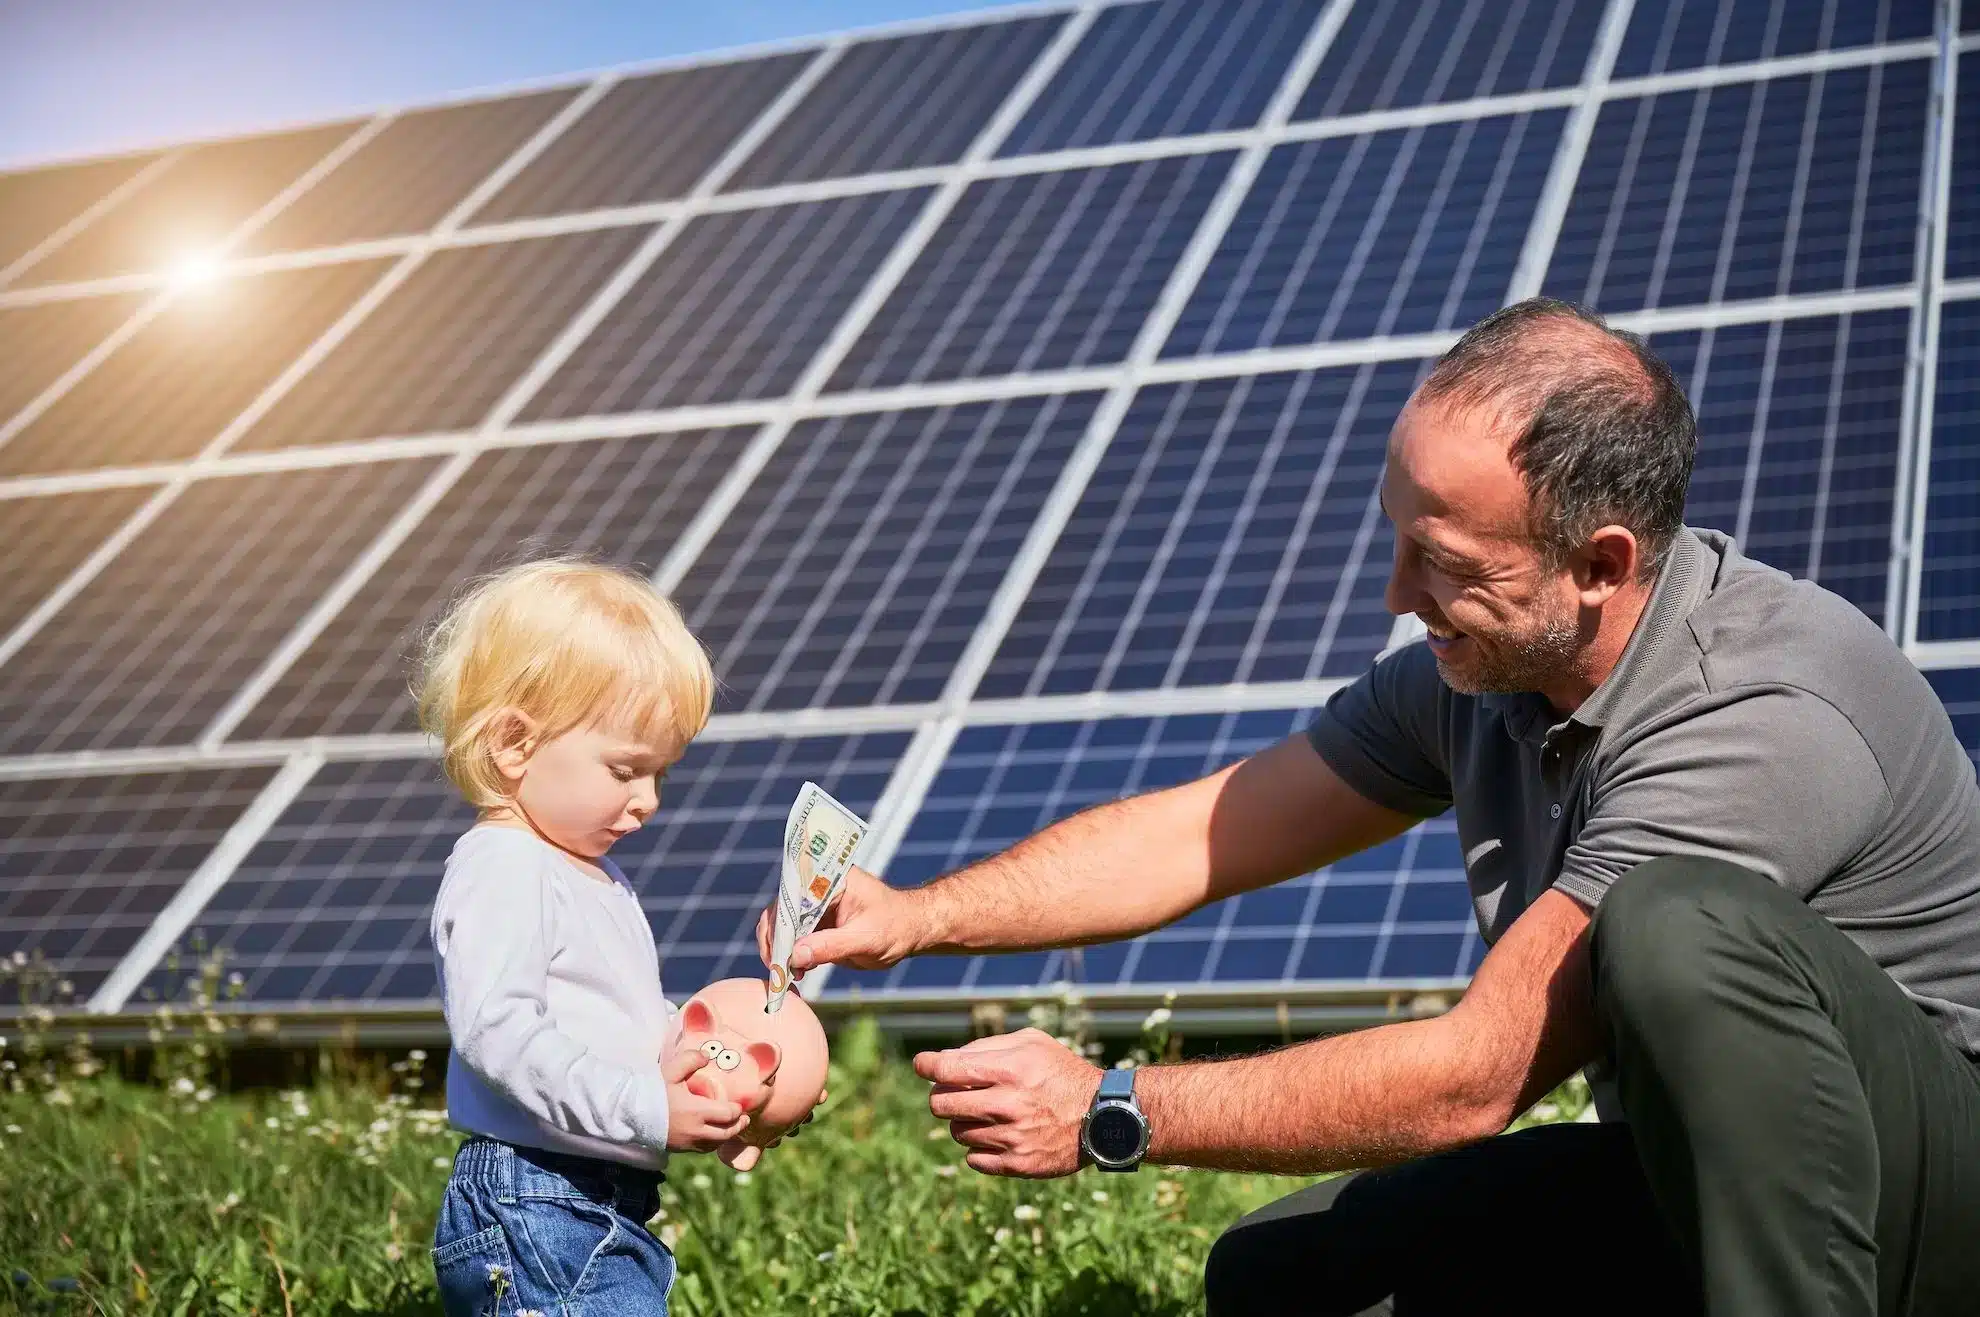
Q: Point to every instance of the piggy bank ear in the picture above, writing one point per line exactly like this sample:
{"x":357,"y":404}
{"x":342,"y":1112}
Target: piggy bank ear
{"x":767,"y":1058}
{"x":697,"y":1018}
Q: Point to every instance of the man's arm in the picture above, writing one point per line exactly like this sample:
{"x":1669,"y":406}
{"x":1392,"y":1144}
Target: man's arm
{"x":1115,"y":870}
{"x":1363,"y":1099}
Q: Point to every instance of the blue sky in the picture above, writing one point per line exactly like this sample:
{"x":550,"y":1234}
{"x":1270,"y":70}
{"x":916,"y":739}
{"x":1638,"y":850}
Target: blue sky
{"x":83,"y":77}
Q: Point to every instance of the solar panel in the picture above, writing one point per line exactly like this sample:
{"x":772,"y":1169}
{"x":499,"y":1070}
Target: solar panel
{"x":1320,"y":250}
{"x":1232,"y":533}
{"x":647,"y":139}
{"x":411,"y":174}
{"x":621,"y":500}
{"x":1755,"y":189}
{"x":1949,"y":582}
{"x":333,"y":904}
{"x":1037,"y":272}
{"x":1963,"y":199}
{"x":444,"y":347}
{"x":1799,"y":428}
{"x":150,"y":650}
{"x":1666,"y":35}
{"x":1959,"y":690}
{"x":899,"y":103}
{"x":35,"y":204}
{"x":1386,"y":57}
{"x":91,"y":861}
{"x":734,"y":308}
{"x":858,"y":564}
{"x":1166,"y":69}
{"x":172,"y":388}
{"x":48,"y":537}
{"x":1399,"y":912}
{"x":40,"y":343}
{"x":194,"y":203}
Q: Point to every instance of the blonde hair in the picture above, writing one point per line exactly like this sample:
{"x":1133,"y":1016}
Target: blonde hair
{"x":568,"y":642}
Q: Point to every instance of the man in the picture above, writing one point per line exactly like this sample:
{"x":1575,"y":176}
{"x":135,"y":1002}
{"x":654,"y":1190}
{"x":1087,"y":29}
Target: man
{"x":1719,"y":835}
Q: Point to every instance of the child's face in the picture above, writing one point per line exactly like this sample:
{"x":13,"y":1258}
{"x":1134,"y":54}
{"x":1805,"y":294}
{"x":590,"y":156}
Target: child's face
{"x":591,"y":786}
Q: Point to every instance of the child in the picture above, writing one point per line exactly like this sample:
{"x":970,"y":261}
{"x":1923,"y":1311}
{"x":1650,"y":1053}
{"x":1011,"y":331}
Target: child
{"x":561,"y":691}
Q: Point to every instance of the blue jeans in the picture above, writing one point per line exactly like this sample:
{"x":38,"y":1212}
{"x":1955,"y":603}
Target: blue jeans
{"x":523,"y":1230}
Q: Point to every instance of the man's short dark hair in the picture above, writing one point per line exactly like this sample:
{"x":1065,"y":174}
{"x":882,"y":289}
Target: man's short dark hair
{"x":1605,"y":433}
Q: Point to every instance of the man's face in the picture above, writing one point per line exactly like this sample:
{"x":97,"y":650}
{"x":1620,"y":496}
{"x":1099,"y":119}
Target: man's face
{"x":1500,"y":618}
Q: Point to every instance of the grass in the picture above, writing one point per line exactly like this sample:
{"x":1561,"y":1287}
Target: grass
{"x":168,"y":1197}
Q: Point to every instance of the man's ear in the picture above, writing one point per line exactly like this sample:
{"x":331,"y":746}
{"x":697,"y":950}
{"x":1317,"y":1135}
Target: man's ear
{"x":697,"y":1018}
{"x":1607,"y":562}
{"x":514,"y":736}
{"x":767,"y":1057}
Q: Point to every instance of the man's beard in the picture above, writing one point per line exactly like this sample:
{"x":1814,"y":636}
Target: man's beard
{"x":1512,"y":665}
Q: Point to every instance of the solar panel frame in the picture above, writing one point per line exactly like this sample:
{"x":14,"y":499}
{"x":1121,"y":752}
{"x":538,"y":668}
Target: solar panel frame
{"x":148,"y":651}
{"x":1632,"y":238}
{"x":621,"y":501}
{"x":898,"y":103}
{"x":1166,"y":68}
{"x":169,"y":391}
{"x":1368,"y":68}
{"x":91,"y":861}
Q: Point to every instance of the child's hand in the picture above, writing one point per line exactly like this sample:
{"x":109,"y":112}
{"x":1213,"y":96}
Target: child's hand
{"x":739,"y":1156}
{"x":696,"y":1123}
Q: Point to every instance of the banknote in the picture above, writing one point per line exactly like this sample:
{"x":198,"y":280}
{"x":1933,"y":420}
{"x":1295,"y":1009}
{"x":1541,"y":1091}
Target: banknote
{"x":820,"y":838}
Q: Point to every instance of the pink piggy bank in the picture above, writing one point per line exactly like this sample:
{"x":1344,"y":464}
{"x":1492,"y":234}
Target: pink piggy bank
{"x":726,"y":1022}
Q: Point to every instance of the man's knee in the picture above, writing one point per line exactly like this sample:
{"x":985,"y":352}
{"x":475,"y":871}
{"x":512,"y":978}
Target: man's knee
{"x":1274,"y":1259}
{"x":1665,"y":929}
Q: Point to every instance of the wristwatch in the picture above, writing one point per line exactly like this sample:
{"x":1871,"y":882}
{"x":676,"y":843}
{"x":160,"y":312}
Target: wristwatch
{"x":1115,"y":1132}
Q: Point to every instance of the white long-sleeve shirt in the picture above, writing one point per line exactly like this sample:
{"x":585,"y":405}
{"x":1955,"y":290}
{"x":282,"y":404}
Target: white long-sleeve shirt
{"x":551,"y":984}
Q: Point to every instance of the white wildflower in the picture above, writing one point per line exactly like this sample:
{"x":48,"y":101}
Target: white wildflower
{"x":1001,"y":1234}
{"x":497,"y":1272}
{"x":417,"y":1054}
{"x":66,"y":988}
{"x":1099,"y":1195}
{"x":701,"y":1180}
{"x":235,"y":980}
{"x":13,"y":1129}
{"x":1158,"y":1017}
{"x":945,"y":1171}
{"x":742,"y":1177}
{"x":273,"y":1122}
{"x":669,"y":1234}
{"x":936,"y":1133}
{"x":183,"y":1086}
{"x":1025,"y":1212}
{"x":204,"y":1095}
{"x":827,"y":1255}
{"x":61,"y":1097}
{"x":441,"y":1163}
{"x":393,"y":1252}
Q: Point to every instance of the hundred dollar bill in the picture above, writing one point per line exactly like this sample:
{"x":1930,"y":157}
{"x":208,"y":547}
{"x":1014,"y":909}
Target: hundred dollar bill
{"x":819,"y":840}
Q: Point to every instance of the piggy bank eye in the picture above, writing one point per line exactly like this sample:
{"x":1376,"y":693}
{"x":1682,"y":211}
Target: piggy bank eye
{"x":727,"y":1060}
{"x":711,"y":1049}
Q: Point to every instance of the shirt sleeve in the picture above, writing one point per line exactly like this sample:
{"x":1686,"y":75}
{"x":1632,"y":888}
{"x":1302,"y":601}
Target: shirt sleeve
{"x":1773,"y":778}
{"x":1383,"y":733}
{"x":494,"y":928}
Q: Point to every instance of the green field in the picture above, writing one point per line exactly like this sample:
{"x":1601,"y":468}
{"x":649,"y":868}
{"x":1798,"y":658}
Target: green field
{"x":171,"y":1197}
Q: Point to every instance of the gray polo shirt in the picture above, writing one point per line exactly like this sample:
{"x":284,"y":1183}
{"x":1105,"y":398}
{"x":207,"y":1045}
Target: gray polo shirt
{"x":1752,"y":717}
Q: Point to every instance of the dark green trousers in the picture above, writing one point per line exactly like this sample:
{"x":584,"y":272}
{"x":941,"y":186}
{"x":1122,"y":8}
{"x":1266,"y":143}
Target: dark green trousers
{"x":1800,"y":1141}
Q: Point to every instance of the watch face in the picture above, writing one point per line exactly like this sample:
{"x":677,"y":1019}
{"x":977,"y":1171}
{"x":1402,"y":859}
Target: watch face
{"x":1114,"y":1134}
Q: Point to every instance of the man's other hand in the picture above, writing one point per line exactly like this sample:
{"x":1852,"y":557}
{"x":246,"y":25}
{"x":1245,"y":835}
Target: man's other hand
{"x":1015,"y":1101}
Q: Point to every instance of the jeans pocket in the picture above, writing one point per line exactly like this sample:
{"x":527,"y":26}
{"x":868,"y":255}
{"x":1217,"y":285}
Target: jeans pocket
{"x":560,"y":1240}
{"x":477,"y":1275}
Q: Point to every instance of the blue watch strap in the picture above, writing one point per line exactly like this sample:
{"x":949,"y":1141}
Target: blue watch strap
{"x":1116,"y":1084}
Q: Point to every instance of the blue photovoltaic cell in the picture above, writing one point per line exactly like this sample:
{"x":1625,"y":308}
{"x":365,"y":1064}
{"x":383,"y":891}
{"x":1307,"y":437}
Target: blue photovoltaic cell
{"x":1387,"y":56}
{"x":89,"y":862}
{"x":736,"y":307}
{"x":1164,"y":70}
{"x":1038,"y":272}
{"x":623,"y":501}
{"x":50,"y":536}
{"x":1401,"y":911}
{"x":1798,"y":438}
{"x":1949,"y":584}
{"x":1963,"y":204}
{"x":647,"y":139}
{"x":1666,"y":35}
{"x":334,"y":902}
{"x":1397,"y":232}
{"x":153,"y":647}
{"x":899,"y":103}
{"x":1959,"y":690}
{"x":1757,"y":189}
{"x":1233,"y":532}
{"x":861,"y":560}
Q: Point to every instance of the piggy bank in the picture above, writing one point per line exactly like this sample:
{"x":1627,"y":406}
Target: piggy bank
{"x":726,"y":1022}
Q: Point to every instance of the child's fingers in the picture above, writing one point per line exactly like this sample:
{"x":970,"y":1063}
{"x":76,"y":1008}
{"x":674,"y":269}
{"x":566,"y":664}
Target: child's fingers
{"x":739,"y":1156}
{"x":681,"y":1064}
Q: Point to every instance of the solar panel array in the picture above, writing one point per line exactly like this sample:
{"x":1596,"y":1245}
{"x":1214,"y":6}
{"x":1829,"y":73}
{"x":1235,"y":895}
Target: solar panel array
{"x":1003,"y":400}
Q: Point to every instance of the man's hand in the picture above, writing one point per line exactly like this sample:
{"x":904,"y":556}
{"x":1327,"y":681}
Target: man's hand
{"x":1015,"y":1101}
{"x":869,"y":926}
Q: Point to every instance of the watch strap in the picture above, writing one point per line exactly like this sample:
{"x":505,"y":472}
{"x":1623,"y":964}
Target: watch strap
{"x":1116,"y":1084}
